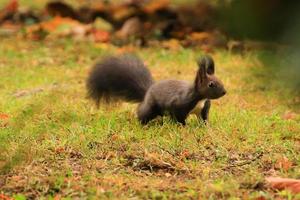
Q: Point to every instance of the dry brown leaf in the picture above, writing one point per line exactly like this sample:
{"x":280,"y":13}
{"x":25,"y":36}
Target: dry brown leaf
{"x":212,"y":39}
{"x":126,"y":49}
{"x":4,"y":120}
{"x":289,"y":115}
{"x":59,"y":150}
{"x":56,"y":22}
{"x":172,"y":44}
{"x":10,"y":8}
{"x":260,"y":198}
{"x":278,"y":183}
{"x":202,"y":36}
{"x":153,"y":6}
{"x":185,"y":154}
{"x":156,"y":160}
{"x":4,"y":116}
{"x":207,"y":48}
{"x":283,"y":163}
{"x":4,"y":197}
{"x":114,"y":137}
{"x":57,"y":197}
{"x":100,"y":36}
{"x":58,"y":25}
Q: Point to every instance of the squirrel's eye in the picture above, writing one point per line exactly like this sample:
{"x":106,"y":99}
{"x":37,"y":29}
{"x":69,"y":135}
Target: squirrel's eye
{"x":211,"y":84}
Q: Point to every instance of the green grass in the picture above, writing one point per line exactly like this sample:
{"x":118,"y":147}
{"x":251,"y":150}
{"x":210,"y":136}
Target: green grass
{"x":57,"y":144}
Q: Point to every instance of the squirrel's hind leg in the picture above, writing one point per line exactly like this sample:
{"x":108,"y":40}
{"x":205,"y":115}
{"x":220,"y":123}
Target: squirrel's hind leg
{"x":147,"y":112}
{"x":179,"y":116}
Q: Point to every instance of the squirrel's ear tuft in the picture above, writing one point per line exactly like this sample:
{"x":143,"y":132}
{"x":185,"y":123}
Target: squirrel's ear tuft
{"x":210,"y":65}
{"x":202,"y":67}
{"x":201,"y":61}
{"x":207,"y":62}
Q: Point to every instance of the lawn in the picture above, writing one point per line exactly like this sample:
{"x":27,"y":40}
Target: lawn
{"x":54,"y":143}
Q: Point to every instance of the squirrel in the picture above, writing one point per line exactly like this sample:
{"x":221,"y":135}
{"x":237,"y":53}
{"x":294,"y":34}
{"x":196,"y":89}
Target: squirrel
{"x":126,"y":77}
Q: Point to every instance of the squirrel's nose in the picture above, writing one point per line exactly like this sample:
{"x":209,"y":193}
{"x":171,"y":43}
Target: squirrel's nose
{"x":224,"y":92}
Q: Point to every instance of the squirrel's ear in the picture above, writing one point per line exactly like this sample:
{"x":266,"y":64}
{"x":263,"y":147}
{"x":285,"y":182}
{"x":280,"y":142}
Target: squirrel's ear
{"x":210,"y":65}
{"x":202,"y":68}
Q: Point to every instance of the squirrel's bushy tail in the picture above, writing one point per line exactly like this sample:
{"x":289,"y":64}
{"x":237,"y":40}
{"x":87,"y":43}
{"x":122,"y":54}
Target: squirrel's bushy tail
{"x":124,"y":77}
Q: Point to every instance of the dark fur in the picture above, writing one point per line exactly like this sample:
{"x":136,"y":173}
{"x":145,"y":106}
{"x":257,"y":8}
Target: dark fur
{"x":124,"y":77}
{"x":205,"y":110}
{"x":128,"y":78}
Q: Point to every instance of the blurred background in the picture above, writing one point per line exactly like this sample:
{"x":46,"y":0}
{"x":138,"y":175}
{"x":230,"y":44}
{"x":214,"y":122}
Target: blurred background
{"x":238,"y":26}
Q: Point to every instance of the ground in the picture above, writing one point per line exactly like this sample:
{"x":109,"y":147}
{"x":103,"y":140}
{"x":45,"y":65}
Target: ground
{"x":54,"y":143}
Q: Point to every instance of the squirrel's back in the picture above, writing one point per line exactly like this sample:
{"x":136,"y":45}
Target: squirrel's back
{"x":170,"y":93}
{"x":123,"y":76}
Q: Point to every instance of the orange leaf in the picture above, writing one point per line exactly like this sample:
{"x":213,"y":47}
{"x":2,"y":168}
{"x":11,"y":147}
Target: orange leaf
{"x":57,"y":197}
{"x":126,"y":49}
{"x":283,"y":163}
{"x":171,"y":44}
{"x":114,"y":137}
{"x":4,"y":116}
{"x":100,"y":36}
{"x":153,"y":6}
{"x":278,"y":183}
{"x":185,"y":153}
{"x":288,"y":115}
{"x":12,"y":6}
{"x":59,"y":150}
{"x":260,"y":198}
{"x":4,"y":197}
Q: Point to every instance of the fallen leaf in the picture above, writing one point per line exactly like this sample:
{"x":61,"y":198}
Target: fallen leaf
{"x":202,"y":36}
{"x":278,"y":183}
{"x":184,"y":154}
{"x":4,"y":116}
{"x":57,"y":197}
{"x":100,"y":36}
{"x":59,"y":150}
{"x":58,"y":26}
{"x":126,"y":49}
{"x":4,"y":197}
{"x":4,"y":120}
{"x":172,"y":44}
{"x":16,"y":178}
{"x":283,"y":163}
{"x":210,"y":39}
{"x":260,"y":198}
{"x":10,"y":8}
{"x":114,"y":137}
{"x":8,"y":28}
{"x":289,"y":115}
{"x":153,"y":6}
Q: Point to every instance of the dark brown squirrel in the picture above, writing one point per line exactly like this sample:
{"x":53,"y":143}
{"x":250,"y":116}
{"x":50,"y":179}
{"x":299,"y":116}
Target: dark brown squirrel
{"x":126,"y":77}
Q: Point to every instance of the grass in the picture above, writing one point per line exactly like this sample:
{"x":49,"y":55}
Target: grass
{"x":56,"y":144}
